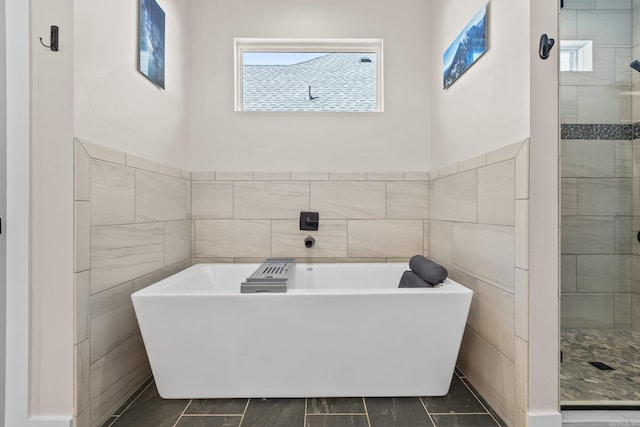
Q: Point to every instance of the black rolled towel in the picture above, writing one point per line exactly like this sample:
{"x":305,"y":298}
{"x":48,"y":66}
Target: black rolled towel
{"x":410,"y":279}
{"x":428,"y":270}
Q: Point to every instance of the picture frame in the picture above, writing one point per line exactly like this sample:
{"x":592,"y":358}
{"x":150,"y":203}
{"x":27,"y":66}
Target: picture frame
{"x":151,"y":61}
{"x":466,"y":48}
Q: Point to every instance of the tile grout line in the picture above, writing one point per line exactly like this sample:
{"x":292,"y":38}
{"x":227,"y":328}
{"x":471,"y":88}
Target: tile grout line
{"x":134,"y":400}
{"x":366,"y":411}
{"x":482,"y":404}
{"x":182,"y":413}
{"x":246,"y":406}
{"x":427,"y":411}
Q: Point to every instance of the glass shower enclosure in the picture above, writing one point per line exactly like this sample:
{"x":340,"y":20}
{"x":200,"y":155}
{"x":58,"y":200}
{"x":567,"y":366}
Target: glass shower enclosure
{"x":600,"y":202}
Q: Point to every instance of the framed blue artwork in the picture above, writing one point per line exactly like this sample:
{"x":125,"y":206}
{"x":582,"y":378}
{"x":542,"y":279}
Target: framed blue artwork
{"x":467,"y":47}
{"x":151,"y":52}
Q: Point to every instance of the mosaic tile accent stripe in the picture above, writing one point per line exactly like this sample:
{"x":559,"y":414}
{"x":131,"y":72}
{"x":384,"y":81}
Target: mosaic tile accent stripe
{"x":599,"y":131}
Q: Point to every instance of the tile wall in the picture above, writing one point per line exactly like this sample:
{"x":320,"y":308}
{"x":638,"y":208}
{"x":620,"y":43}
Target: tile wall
{"x":635,"y":237}
{"x":478,"y":228}
{"x":131,"y":228}
{"x":137,"y":222}
{"x":596,"y":234}
{"x":364,"y":217}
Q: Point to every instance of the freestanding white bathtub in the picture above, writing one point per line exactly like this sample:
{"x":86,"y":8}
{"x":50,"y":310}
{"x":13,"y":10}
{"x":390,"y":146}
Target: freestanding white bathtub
{"x":341,"y":330}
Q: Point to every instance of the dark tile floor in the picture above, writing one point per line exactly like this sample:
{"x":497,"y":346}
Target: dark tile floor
{"x":462,"y":407}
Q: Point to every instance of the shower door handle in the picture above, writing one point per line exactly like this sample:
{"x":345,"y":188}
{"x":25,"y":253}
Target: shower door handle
{"x":545,"y":46}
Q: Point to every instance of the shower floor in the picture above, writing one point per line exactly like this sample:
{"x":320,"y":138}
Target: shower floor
{"x":582,"y":384}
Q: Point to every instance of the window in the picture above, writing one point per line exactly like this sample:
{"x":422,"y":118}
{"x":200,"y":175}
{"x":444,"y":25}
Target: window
{"x":576,"y":55}
{"x":308,"y":75}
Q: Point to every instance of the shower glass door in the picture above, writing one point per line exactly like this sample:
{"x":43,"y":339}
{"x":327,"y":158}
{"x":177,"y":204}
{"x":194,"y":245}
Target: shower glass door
{"x":600,"y":208}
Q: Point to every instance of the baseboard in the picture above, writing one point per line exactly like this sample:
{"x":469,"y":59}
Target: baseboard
{"x":43,"y":421}
{"x":544,"y":419}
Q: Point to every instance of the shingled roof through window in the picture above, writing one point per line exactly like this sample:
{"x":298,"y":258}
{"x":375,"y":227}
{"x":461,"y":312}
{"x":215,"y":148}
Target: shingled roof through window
{"x":338,"y":81}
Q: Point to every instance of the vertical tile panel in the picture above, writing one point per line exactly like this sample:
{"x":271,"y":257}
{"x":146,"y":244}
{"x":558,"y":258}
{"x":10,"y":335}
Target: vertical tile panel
{"x":522,"y":234}
{"x":496,"y":314}
{"x":232,"y":238}
{"x":110,"y":319}
{"x":112,"y":194}
{"x":122,"y":253}
{"x":407,"y":200}
{"x":82,"y":173}
{"x":385,"y":238}
{"x":569,"y":196}
{"x":486,"y":252}
{"x":270,"y":199}
{"x":624,"y":235}
{"x":496,"y":193}
{"x":81,"y":389}
{"x":81,"y":304}
{"x":160,"y":197}
{"x":522,"y":304}
{"x":82,"y":235}
{"x":212,"y":199}
{"x":349,"y":199}
{"x":177,"y":241}
{"x":455,"y":197}
{"x":522,"y":172}
{"x":569,"y":273}
{"x":568,"y":104}
{"x":624,"y":157}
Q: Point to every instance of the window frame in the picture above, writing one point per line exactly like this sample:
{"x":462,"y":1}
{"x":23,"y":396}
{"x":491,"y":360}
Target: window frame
{"x":242,"y":45}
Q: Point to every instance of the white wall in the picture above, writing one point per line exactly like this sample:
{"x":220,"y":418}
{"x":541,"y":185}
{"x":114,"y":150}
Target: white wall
{"x":51,"y":352}
{"x":222,"y":139}
{"x":488,"y":107}
{"x":115,"y":105}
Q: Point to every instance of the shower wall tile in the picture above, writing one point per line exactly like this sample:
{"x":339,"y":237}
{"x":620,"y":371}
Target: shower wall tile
{"x":212,"y":199}
{"x":496,"y":311}
{"x":111,"y":319}
{"x":622,"y":312}
{"x":624,"y":235}
{"x":605,"y":28}
{"x":613,"y":4}
{"x":140,"y":163}
{"x":81,"y":172}
{"x":636,"y":158}
{"x":177,"y":241}
{"x":581,"y":158}
{"x":636,"y":274}
{"x":569,"y":273}
{"x":123,"y":253}
{"x":604,"y":70}
{"x":115,"y":376}
{"x":232,"y":238}
{"x":579,"y":4}
{"x":455,"y":197}
{"x":624,"y":159}
{"x":347,"y":176}
{"x":623,"y":71}
{"x":521,"y":314}
{"x":496,"y":193}
{"x":441,"y":241}
{"x":407,"y":200}
{"x":385,"y":238}
{"x":568,"y":24}
{"x":81,"y":377}
{"x":490,"y":372}
{"x":604,"y":196}
{"x":569,"y":197}
{"x":287,"y":240}
{"x":635,"y":229}
{"x":604,"y":273}
{"x":635,"y":313}
{"x":270,"y":199}
{"x":486,"y":252}
{"x":349,"y":199}
{"x":587,"y":235}
{"x":160,"y":197}
{"x":112,"y":194}
{"x":568,"y":104}
{"x":636,"y":196}
{"x":587,"y":311}
{"x":81,"y":292}
{"x":81,"y":235}
{"x":604,"y":104}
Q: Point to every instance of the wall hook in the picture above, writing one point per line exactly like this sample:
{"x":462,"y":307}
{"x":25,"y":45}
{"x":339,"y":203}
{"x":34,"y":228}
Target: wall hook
{"x":53,"y":39}
{"x":545,"y":46}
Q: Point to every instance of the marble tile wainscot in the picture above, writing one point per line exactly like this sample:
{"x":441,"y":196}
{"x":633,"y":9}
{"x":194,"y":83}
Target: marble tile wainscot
{"x":132,"y":227}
